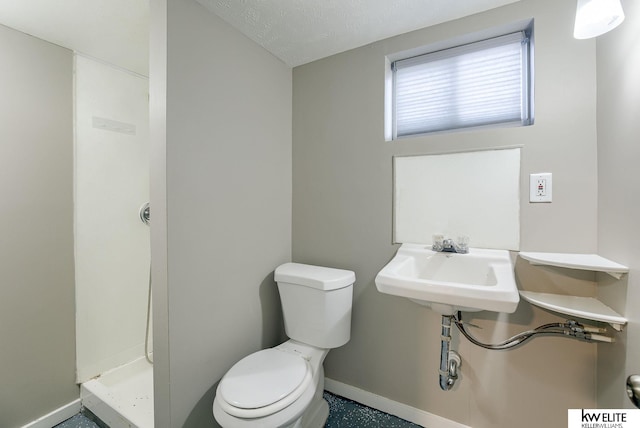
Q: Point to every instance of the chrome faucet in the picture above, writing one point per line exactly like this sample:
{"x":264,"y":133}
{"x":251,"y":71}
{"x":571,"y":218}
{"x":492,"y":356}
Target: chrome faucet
{"x":461,"y":246}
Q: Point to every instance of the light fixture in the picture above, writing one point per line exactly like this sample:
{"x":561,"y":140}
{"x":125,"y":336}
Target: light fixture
{"x":596,"y":17}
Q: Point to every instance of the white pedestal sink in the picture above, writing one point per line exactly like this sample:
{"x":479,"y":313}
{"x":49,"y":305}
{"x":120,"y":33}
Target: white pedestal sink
{"x":448,"y":282}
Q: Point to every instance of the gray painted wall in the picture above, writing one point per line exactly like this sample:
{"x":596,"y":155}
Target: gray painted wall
{"x":618,"y":204}
{"x":37,"y":322}
{"x":228,"y":203}
{"x":342,"y":203}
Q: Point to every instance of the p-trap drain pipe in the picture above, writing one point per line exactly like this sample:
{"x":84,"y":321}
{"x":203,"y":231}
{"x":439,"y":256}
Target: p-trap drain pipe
{"x":449,"y":360}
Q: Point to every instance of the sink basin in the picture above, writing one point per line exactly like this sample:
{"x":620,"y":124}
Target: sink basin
{"x":449,"y":282}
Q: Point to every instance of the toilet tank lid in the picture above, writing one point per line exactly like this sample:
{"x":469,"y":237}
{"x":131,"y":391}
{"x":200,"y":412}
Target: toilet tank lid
{"x":322,"y":278}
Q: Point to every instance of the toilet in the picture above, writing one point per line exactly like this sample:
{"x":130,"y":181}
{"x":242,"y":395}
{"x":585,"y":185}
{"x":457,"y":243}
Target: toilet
{"x":283,"y":386}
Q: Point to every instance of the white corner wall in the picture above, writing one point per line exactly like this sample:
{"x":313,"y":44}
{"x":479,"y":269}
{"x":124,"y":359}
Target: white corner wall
{"x":111,"y":243}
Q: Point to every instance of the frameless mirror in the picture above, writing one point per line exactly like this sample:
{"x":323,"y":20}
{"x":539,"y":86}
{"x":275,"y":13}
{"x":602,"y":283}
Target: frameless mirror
{"x":474,"y":194}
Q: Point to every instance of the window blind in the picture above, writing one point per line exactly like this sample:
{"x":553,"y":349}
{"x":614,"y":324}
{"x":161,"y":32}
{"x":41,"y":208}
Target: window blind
{"x":477,"y":84}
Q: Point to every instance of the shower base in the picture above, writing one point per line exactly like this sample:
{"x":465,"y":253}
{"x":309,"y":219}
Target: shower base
{"x":122,"y":397}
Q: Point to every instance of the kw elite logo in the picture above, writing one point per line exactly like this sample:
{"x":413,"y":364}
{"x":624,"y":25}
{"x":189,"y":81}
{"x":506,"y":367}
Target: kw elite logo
{"x":604,"y":418}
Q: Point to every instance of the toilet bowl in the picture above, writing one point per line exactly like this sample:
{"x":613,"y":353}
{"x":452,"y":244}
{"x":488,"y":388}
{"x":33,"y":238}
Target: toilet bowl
{"x":273,"y":388}
{"x":283,"y":386}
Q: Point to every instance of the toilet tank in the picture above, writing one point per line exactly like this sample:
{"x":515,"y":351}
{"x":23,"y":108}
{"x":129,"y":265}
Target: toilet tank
{"x":316,"y":303}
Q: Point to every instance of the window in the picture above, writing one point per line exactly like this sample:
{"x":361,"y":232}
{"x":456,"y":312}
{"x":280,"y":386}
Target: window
{"x":478,"y":84}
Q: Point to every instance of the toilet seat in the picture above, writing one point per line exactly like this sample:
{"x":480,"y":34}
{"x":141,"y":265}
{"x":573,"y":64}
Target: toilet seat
{"x":264,"y":383}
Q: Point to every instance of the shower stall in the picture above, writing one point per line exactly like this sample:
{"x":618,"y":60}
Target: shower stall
{"x":112,"y":252}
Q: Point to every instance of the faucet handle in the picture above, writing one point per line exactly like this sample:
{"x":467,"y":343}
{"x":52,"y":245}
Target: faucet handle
{"x":462,"y":244}
{"x":437,"y":242}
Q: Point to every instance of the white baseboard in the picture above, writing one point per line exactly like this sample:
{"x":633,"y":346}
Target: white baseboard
{"x":57,"y":416}
{"x":411,"y":414}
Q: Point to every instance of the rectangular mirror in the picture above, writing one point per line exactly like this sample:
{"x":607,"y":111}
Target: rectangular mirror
{"x":476,"y":194}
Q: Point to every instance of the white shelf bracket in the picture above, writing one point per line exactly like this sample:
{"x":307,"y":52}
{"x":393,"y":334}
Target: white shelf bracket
{"x":616,"y":275}
{"x":617,"y":327}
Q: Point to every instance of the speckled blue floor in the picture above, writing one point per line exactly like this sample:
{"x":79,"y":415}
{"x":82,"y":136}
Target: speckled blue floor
{"x":343,"y":413}
{"x":78,"y":421}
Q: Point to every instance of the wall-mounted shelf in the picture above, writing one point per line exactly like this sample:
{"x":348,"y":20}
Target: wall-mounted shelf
{"x":583,"y":307}
{"x":591,"y":262}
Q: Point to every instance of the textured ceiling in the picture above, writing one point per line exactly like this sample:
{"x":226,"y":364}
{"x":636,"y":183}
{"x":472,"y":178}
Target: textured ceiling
{"x":301,"y":31}
{"x":296,"y":31}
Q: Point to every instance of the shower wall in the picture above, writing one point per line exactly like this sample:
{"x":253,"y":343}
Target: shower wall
{"x":111,"y":243}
